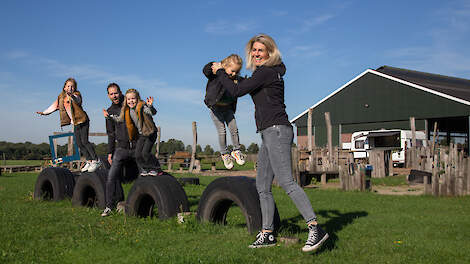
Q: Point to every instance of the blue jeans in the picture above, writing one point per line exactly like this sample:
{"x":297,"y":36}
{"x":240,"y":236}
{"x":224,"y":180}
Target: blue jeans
{"x":274,"y":159}
{"x":120,"y":157}
{"x":220,"y":118}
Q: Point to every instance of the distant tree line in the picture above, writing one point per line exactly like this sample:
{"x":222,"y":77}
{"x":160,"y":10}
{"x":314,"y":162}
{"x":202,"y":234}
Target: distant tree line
{"x":30,"y":151}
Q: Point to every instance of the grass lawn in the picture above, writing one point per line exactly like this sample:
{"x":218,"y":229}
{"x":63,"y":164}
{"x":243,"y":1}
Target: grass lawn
{"x":363,"y":228}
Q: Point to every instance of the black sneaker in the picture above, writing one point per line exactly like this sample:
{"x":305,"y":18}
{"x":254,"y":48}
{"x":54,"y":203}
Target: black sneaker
{"x":316,"y":237}
{"x":264,"y":239}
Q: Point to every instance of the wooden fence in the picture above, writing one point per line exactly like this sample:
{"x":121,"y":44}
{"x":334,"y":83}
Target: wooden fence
{"x":447,"y":170}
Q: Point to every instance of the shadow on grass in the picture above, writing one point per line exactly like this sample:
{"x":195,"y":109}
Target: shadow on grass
{"x":336,"y":222}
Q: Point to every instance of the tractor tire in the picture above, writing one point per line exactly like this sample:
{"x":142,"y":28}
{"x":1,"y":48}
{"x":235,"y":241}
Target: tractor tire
{"x":54,"y":183}
{"x":221,"y":193}
{"x":90,"y":190}
{"x":162,"y":193}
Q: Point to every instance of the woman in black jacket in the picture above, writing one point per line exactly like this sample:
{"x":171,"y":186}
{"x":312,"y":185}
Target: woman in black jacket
{"x":266,"y":88}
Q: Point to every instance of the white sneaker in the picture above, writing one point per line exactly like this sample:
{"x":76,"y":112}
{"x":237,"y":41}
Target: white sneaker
{"x":95,"y":164}
{"x":86,"y":167}
{"x":107,"y":211}
{"x":227,"y":161}
{"x":239,"y":157}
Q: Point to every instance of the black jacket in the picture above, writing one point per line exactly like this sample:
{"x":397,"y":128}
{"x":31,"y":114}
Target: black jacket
{"x":117,"y":131}
{"x":266,"y":88}
{"x":215,"y":92}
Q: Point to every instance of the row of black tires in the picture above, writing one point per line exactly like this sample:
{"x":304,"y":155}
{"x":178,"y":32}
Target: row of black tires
{"x":162,"y":196}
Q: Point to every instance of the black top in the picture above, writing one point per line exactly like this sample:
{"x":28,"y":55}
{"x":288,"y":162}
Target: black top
{"x":266,"y":88}
{"x":217,"y":98}
{"x":117,"y":131}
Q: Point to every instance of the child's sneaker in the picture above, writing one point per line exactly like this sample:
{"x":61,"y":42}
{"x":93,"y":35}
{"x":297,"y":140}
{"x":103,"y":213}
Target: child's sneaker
{"x":264,"y":239}
{"x":227,"y":161}
{"x":239,"y":157}
{"x":85,"y":168}
{"x":144,"y":173}
{"x":95,"y":164}
{"x":107,"y":211}
{"x":316,"y":237}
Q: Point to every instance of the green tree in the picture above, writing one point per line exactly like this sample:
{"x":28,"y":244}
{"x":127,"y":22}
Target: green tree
{"x":171,"y":146}
{"x":208,"y":150}
{"x":242,"y":148}
{"x":253,"y":148}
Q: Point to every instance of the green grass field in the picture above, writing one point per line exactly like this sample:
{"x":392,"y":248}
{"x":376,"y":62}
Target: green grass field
{"x":363,"y":228}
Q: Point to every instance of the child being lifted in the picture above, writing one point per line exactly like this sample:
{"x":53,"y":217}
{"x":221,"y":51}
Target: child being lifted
{"x":223,"y":106}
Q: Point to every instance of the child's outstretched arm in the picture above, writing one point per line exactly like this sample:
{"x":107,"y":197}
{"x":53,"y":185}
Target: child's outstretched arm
{"x":77,"y":98}
{"x":149,"y":109}
{"x":51,"y":109}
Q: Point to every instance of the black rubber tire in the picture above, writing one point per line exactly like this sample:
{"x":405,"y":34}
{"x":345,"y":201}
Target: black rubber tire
{"x":185,"y":181}
{"x":54,"y":183}
{"x":150,"y":192}
{"x":177,"y":191}
{"x":90,"y":189}
{"x":221,"y":193}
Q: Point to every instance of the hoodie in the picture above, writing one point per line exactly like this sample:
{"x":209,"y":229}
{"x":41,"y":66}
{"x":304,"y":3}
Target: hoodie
{"x":217,"y":98}
{"x":266,"y":87}
{"x":117,"y":131}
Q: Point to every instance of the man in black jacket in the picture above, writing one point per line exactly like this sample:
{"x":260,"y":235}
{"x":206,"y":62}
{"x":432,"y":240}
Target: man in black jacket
{"x":120,"y":149}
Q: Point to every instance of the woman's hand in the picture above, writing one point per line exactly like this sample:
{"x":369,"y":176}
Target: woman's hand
{"x":216,"y":66}
{"x":40,"y":113}
{"x":105,"y":113}
{"x":149,"y":101}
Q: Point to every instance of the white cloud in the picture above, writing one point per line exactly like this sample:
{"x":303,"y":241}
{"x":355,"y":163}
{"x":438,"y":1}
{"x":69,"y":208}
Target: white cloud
{"x":306,"y":51}
{"x":16,"y":54}
{"x":226,"y":27}
{"x":311,"y":22}
{"x":99,"y":76}
{"x":446,"y":51}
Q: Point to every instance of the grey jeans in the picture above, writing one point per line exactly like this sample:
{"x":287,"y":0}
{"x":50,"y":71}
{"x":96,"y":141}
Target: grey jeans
{"x":274,"y":159}
{"x":228,"y":117}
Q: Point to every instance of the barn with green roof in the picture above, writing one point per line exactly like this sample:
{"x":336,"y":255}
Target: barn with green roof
{"x":386,"y":98}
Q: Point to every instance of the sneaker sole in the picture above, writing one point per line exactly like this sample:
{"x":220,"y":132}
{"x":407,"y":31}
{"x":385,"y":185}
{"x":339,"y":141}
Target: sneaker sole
{"x":262,"y":246}
{"x":317,"y":245}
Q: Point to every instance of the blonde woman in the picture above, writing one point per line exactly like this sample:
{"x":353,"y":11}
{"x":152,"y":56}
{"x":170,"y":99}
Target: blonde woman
{"x":266,"y":87}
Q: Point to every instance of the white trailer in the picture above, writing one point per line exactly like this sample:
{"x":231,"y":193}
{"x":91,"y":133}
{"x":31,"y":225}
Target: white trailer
{"x":362,"y":141}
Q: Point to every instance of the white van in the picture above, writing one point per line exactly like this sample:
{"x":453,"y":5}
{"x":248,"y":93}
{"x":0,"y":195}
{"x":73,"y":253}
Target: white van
{"x":399,"y":139}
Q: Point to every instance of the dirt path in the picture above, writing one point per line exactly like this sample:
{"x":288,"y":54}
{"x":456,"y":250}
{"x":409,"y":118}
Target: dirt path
{"x":379,"y":189}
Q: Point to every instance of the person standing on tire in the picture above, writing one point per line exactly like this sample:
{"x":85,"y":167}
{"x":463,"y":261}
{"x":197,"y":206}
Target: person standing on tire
{"x":69,"y":104}
{"x":136,"y":114}
{"x":120,"y":148}
{"x":266,"y":87}
{"x":222,"y":108}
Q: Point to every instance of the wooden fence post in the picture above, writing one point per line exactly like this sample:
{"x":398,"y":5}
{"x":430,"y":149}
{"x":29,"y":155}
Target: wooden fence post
{"x":295,"y":165}
{"x":433,"y":143}
{"x":157,"y":150}
{"x":193,"y":153}
{"x":310,"y":140}
{"x":329,"y":135}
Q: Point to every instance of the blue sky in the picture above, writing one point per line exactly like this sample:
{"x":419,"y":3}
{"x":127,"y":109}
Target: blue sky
{"x":160,"y":47}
